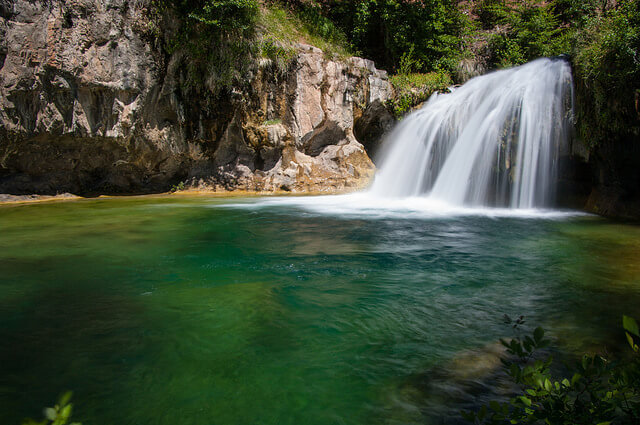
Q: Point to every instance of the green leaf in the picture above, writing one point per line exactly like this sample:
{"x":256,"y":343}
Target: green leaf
{"x":547,"y":385}
{"x":599,"y":361}
{"x":630,"y":340}
{"x":525,"y":400}
{"x":482,"y":413}
{"x":65,"y":412}
{"x":630,"y":325}
{"x":544,"y":343}
{"x":566,"y":382}
{"x":468,"y":416}
{"x":576,"y":377}
{"x":539,"y":382}
{"x":50,"y":413}
{"x":65,"y":398}
{"x":514,"y":370}
{"x":538,"y":334}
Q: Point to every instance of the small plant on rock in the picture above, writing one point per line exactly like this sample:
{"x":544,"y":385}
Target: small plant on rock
{"x":177,"y":187}
{"x":598,"y":390}
{"x":59,"y":414}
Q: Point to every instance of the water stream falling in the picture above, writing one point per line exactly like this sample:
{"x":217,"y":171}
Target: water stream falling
{"x":494,"y":141}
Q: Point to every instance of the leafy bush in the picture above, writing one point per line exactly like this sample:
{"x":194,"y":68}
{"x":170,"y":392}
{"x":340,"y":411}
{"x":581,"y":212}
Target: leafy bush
{"x":225,"y":15}
{"x":221,"y":15}
{"x":598,"y":390}
{"x":408,"y":63}
{"x":491,"y":13}
{"x":607,"y":64}
{"x":215,"y":36}
{"x":532,"y":30}
{"x":603,"y":41}
{"x":59,"y":414}
{"x":384,"y":30}
{"x":177,"y":187}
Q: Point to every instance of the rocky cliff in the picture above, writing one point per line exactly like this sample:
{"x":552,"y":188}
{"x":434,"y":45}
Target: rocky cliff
{"x":89,"y":105}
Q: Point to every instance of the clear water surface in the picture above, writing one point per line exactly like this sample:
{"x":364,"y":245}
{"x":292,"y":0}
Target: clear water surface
{"x":199,"y":311}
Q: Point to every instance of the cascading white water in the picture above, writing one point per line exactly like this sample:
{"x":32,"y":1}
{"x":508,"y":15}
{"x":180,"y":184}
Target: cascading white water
{"x":494,"y":141}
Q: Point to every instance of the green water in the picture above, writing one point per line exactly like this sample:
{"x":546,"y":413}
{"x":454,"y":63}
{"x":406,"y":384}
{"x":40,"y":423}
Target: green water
{"x":183,"y":311}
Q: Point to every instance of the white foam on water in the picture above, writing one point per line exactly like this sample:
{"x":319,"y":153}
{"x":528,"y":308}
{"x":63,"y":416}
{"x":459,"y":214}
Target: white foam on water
{"x":368,"y":206}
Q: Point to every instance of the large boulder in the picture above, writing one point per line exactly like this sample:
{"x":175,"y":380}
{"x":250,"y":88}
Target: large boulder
{"x":89,"y":104}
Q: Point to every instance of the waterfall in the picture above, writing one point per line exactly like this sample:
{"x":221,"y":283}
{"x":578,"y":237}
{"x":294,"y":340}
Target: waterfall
{"x":494,"y":141}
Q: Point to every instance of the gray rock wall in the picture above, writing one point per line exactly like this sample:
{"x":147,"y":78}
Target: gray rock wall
{"x":88,"y":104}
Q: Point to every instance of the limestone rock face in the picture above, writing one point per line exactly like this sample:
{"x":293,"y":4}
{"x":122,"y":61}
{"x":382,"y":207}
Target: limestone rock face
{"x":88,"y":104}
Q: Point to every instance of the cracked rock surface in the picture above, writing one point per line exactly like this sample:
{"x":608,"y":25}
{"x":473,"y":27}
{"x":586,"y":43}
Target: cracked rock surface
{"x":88,"y":106}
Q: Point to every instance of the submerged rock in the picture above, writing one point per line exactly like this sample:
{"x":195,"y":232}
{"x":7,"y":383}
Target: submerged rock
{"x":466,"y":382}
{"x":89,"y":105}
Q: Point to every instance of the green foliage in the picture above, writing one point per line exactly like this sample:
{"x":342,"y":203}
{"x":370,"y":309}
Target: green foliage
{"x":385,"y":30}
{"x":219,"y":15}
{"x":576,"y":12}
{"x":59,"y":414}
{"x":320,"y":26}
{"x":414,"y":88}
{"x":602,"y":38}
{"x":607,"y":66}
{"x":492,"y":12}
{"x":177,"y":187}
{"x":408,"y":63}
{"x":284,"y":27}
{"x":631,"y":331}
{"x":225,"y":15}
{"x":276,"y":51}
{"x":597,"y":390}
{"x":531,"y":30}
{"x":215,"y":38}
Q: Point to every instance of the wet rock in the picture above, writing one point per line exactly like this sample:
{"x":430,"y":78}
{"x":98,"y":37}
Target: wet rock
{"x":469,"y":380}
{"x":370,"y":129}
